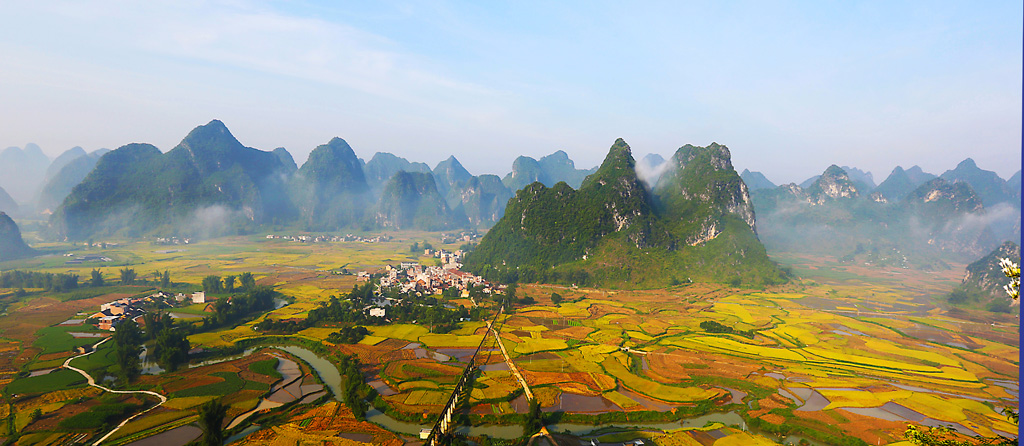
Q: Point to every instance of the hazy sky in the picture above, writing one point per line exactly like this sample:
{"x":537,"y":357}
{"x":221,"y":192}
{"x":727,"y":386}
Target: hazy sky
{"x":790,"y":87}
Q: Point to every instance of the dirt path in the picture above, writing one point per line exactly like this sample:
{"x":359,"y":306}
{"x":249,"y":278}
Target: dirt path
{"x":92,"y":382}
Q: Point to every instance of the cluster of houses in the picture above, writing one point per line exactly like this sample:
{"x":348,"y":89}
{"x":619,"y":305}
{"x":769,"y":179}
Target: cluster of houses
{"x":411,"y":277}
{"x":330,"y":238}
{"x":460,"y":237}
{"x":86,"y":258}
{"x":114,"y":312}
{"x":172,"y":241}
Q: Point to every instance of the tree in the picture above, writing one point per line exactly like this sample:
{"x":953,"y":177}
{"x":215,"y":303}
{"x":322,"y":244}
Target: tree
{"x":211,"y":417}
{"x":165,"y":281}
{"x":155,"y":323}
{"x":415,"y":247}
{"x":247,"y":281}
{"x":534,"y":419}
{"x":127,"y":276}
{"x":128,"y":341}
{"x":172,"y":348}
{"x":229,"y":283}
{"x":556,"y":298}
{"x":212,"y":284}
{"x":95,"y":278}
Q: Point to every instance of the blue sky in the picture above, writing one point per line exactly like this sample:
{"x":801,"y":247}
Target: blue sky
{"x":790,"y":87}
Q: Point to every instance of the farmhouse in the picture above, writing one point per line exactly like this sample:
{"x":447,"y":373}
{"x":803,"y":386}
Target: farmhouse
{"x":199,"y":297}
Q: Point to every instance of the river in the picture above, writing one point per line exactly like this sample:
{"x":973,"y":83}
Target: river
{"x":332,"y":379}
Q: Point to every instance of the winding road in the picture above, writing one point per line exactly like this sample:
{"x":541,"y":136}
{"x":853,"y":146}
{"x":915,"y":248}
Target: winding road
{"x":92,"y":382}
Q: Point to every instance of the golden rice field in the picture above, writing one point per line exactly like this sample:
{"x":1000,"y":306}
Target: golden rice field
{"x":877,"y":342}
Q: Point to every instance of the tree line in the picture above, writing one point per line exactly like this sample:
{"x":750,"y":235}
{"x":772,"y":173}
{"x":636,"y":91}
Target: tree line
{"x":56,"y":282}
{"x":217,"y":284}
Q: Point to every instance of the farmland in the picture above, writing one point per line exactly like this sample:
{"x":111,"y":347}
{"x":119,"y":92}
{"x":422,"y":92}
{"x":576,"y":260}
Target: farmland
{"x":845,"y":351}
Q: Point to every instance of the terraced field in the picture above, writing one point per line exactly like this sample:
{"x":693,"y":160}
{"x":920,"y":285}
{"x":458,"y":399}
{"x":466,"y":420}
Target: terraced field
{"x":855,"y":352}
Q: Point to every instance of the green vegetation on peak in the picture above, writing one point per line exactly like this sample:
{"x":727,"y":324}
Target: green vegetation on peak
{"x":58,"y":186}
{"x":330,"y":189}
{"x":482,"y":199}
{"x":896,"y":186}
{"x":702,"y":190}
{"x":610,"y":233}
{"x":11,"y":244}
{"x":7,"y":204}
{"x":450,"y":173}
{"x":334,"y":167}
{"x":864,"y":181}
{"x":209,"y":184}
{"x":987,"y":184}
{"x":384,"y":165}
{"x":982,"y":285}
{"x":286,"y":159}
{"x":410,"y":200}
{"x":549,"y":170}
{"x":941,"y":198}
{"x":22,"y":171}
{"x":756,"y":180}
{"x":525,"y":171}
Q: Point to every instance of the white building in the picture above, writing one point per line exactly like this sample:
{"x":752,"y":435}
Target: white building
{"x":199,"y":297}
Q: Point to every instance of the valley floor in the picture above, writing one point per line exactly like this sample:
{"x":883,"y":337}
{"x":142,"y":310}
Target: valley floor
{"x":846,"y":352}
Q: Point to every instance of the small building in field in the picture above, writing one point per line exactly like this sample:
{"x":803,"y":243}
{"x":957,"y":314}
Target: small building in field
{"x":199,"y":297}
{"x":109,"y":322}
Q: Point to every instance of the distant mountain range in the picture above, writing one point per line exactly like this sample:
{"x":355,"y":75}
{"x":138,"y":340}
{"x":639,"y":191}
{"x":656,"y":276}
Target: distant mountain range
{"x":210,"y":184}
{"x":22,"y":171}
{"x":911,"y":218}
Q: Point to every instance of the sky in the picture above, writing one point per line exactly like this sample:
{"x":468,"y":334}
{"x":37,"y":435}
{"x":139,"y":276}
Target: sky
{"x":789,"y":87}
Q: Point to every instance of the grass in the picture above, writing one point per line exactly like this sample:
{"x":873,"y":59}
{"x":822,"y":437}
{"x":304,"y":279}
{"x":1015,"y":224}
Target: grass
{"x":97,"y":416}
{"x":56,"y":339}
{"x":56,"y":380}
{"x":231,"y":383}
{"x":407,"y":332}
{"x":266,"y":367}
{"x":99,"y":361}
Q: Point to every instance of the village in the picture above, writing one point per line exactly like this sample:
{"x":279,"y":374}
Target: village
{"x":412,"y":277}
{"x":330,"y":238}
{"x":115,"y":312}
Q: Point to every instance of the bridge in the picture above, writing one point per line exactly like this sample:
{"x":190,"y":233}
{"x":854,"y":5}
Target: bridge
{"x":441,"y":433}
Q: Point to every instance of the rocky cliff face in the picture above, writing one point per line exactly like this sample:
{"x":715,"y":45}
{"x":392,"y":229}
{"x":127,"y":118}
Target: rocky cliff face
{"x":953,"y":216}
{"x":985,"y":274}
{"x":705,"y":181}
{"x":482,"y":199}
{"x":832,"y":185}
